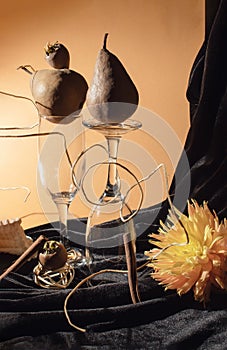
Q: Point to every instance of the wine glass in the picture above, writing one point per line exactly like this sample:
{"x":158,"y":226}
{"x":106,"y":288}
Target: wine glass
{"x":105,"y":229}
{"x":59,"y":145}
{"x":110,"y":230}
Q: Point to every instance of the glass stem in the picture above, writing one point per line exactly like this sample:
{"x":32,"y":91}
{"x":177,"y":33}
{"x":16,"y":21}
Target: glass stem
{"x":63,"y":218}
{"x":113,"y":180}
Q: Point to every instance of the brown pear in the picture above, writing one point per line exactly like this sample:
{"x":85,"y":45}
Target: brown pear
{"x":60,"y":91}
{"x":57,"y":55}
{"x":112,"y":96}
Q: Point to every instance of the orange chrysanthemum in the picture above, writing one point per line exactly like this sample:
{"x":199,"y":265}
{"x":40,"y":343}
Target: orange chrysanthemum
{"x":198,"y":263}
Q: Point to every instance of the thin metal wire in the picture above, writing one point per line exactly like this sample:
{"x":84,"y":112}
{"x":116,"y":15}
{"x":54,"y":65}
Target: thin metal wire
{"x":27,"y":127}
{"x":18,"y":188}
{"x":74,"y":164}
{"x":172,"y":208}
{"x":60,"y":278}
{"x":117,"y":193}
{"x":19,"y":96}
{"x":43,"y":134}
{"x":86,"y":279}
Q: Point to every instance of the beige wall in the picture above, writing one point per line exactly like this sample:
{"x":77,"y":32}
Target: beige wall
{"x":156,"y":40}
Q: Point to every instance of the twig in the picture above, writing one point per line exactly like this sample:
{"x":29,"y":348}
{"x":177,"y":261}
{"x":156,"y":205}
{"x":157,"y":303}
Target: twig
{"x":23,"y":258}
{"x":130,"y":253}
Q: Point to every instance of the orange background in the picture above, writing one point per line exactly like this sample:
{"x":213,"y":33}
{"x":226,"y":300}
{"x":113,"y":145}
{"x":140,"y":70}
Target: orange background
{"x":156,"y":40}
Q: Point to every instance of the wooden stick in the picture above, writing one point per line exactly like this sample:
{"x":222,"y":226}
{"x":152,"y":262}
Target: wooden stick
{"x":130,"y":253}
{"x":23,"y":258}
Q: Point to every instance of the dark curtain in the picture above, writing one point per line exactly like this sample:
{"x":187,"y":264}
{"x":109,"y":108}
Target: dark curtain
{"x":33,"y":318}
{"x":206,"y":143}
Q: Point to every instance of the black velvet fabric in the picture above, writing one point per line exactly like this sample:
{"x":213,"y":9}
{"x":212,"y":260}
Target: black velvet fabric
{"x":33,"y":318}
{"x":206,"y":143}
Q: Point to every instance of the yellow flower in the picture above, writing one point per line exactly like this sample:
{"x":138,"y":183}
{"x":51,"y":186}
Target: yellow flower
{"x":191,"y":252}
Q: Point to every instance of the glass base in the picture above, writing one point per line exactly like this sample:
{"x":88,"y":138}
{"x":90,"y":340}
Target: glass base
{"x":113,"y":129}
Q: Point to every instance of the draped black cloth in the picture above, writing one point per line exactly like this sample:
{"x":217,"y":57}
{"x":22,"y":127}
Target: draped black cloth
{"x":206,"y":143}
{"x":33,"y":318}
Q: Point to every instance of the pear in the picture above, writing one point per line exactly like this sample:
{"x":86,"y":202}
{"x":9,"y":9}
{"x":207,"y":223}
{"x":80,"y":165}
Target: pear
{"x":57,"y":55}
{"x":58,"y":92}
{"x":112,"y":96}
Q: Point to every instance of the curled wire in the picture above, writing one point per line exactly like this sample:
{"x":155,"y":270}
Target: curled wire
{"x":74,"y":164}
{"x":118,"y":193}
{"x":173,"y":210}
{"x":138,"y":183}
{"x":28,"y":127}
{"x":60,"y":278}
{"x":18,"y":188}
{"x":19,"y":96}
{"x":40,"y":134}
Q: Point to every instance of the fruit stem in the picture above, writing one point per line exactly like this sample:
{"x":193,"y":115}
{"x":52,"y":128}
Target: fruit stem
{"x":105,"y":40}
{"x":25,"y":68}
